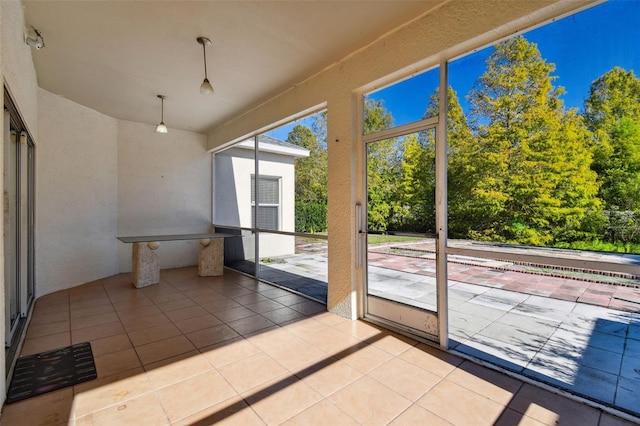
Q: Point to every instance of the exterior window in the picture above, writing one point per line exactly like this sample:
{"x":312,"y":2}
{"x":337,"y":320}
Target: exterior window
{"x":269,"y":211}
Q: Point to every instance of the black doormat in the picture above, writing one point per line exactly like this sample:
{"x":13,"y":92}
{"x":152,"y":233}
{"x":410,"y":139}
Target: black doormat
{"x":52,"y":370}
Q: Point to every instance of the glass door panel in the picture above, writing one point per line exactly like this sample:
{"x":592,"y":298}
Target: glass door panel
{"x":400,"y":229}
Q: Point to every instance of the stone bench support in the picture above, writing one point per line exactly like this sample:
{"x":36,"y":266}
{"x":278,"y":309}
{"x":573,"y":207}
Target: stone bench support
{"x":145,"y":267}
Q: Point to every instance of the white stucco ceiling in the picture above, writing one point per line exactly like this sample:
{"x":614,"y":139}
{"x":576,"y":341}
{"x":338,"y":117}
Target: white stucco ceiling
{"x":115,"y":56}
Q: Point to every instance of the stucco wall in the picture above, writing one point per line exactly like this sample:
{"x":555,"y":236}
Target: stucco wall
{"x":18,"y":70}
{"x":76,"y":194}
{"x":164,"y":187}
{"x":456,"y":27}
{"x":233,"y":169}
{"x":18,"y":73}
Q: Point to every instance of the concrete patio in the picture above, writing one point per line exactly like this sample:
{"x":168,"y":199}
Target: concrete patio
{"x":588,"y":350}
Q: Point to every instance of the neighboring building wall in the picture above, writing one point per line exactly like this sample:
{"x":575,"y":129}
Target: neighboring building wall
{"x":76,"y":194}
{"x":233,"y":169}
{"x":18,"y":73}
{"x":164,"y":187}
{"x":454,"y":28}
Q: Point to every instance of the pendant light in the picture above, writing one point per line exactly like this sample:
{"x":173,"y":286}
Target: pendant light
{"x":161,"y":128}
{"x":205,"y":88}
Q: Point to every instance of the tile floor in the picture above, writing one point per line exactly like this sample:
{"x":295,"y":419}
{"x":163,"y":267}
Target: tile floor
{"x":231,"y":350}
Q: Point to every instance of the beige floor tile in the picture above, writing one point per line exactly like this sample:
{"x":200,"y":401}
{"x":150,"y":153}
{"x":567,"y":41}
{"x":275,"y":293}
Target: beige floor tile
{"x":93,"y":320}
{"x":172,"y":370}
{"x":511,"y":417}
{"x":498,"y":387}
{"x":201,"y":322}
{"x":223,"y":305}
{"x":460,"y":406}
{"x":250,"y":325}
{"x":431,"y":359}
{"x":251,"y":298}
{"x":272,"y":338}
{"x":360,"y":330}
{"x":297,"y":355}
{"x":58,"y":297}
{"x":104,"y":392}
{"x":264,"y":306}
{"x":44,"y":308}
{"x":305,"y":326}
{"x":153,"y":334}
{"x":212,"y":335}
{"x":116,"y":362}
{"x":163,"y":349}
{"x":232,"y":412}
{"x":94,"y":310}
{"x":38,"y":319}
{"x":173,"y":305}
{"x":369,"y":402}
{"x":332,"y":341}
{"x":309,"y":307}
{"x":290,"y":299}
{"x":233,"y":314}
{"x":186,"y":313}
{"x":133,"y":324}
{"x":327,"y":318}
{"x":53,"y":408}
{"x":133,"y":305}
{"x":405,"y":378}
{"x":550,"y":408}
{"x":166,"y":296}
{"x":90,"y":302}
{"x":97,"y":332}
{"x":110,"y":344}
{"x":250,"y":372}
{"x":144,"y":409}
{"x":321,"y":414}
{"x":365,"y":358}
{"x":416,"y":415}
{"x":132,"y":313}
{"x":329,"y":376}
{"x":195,"y":394}
{"x":281,"y":399}
{"x":45,"y":343}
{"x":41,"y":330}
{"x":230,"y":351}
{"x":283,"y":315}
{"x":394,"y":343}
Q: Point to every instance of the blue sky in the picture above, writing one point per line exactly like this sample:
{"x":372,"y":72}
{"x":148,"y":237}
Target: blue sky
{"x":583,"y":46}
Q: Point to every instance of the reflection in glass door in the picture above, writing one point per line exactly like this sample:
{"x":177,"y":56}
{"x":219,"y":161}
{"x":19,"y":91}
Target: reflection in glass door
{"x":400,"y":232}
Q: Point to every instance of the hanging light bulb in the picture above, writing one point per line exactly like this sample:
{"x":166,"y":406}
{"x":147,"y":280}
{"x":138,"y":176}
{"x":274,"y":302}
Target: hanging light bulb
{"x":205,"y":88}
{"x":161,"y":128}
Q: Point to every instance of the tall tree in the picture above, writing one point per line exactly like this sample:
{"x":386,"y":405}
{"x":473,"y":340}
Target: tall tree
{"x":383,"y":168}
{"x":311,"y":171}
{"x":537,"y":185}
{"x":612,"y":113}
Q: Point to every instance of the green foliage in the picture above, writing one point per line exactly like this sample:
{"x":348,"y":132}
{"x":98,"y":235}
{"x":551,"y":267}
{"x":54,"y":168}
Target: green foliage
{"x":311,"y":217}
{"x":598,"y":245}
{"x":536,"y":185}
{"x":612,"y":113}
{"x":623,"y":226}
{"x":384,"y":169}
{"x":522,"y":169}
{"x":311,"y":171}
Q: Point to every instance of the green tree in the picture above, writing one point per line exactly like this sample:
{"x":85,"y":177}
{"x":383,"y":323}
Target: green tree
{"x":612,"y":113}
{"x":311,"y":171}
{"x":418,"y":183}
{"x":383,"y":169}
{"x":537,"y":185}
{"x":310,"y":181}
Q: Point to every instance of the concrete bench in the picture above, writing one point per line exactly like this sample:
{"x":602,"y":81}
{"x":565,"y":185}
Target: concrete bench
{"x":146,"y":267}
